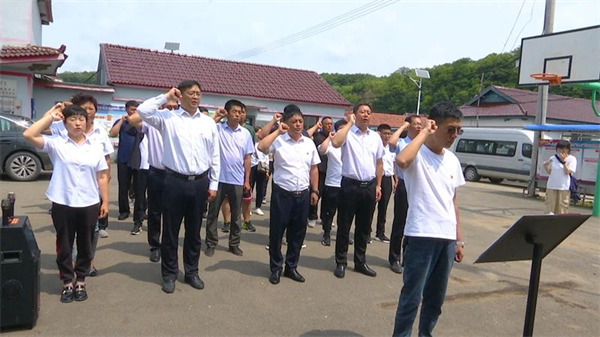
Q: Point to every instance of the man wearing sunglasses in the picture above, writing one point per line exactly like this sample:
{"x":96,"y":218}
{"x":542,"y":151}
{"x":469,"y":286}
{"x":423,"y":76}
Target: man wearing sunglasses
{"x":432,"y":234}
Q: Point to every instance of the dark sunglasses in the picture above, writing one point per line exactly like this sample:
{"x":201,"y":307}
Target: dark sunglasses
{"x":452,"y":130}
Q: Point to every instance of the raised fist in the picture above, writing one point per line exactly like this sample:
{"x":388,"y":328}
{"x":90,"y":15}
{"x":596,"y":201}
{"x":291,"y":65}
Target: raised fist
{"x":277,"y":117}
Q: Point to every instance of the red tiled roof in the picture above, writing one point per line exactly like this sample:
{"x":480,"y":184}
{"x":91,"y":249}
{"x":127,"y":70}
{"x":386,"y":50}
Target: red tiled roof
{"x":23,"y":51}
{"x":559,"y":107}
{"x":148,"y":68}
{"x":393,"y":120}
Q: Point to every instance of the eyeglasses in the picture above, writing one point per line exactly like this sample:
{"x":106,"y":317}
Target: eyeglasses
{"x":193,"y":93}
{"x":452,"y":130}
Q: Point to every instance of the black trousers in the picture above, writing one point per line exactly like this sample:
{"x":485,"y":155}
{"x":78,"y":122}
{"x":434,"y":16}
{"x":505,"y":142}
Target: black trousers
{"x":183,"y":200}
{"x":141,"y":201}
{"x":356,"y":199}
{"x":258,"y":180}
{"x":312,"y":209}
{"x":156,"y":185}
{"x":329,"y":205}
{"x":69,"y":221}
{"x":234,"y":195}
{"x":382,"y":205}
{"x":124,"y":176}
{"x":400,"y":213}
{"x":288,"y":214}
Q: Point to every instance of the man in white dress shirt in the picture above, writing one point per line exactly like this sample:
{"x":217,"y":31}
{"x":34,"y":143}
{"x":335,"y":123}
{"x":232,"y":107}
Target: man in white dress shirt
{"x":192,"y":168}
{"x":295,"y":158}
{"x":362,"y":152}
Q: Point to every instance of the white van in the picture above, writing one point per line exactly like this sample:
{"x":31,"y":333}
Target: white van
{"x":496,"y":154}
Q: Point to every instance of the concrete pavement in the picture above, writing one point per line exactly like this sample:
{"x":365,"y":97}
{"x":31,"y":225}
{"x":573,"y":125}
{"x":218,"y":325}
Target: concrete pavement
{"x":483,"y":300}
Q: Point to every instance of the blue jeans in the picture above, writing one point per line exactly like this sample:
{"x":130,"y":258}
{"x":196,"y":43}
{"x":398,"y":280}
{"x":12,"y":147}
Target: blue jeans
{"x":427,"y":265}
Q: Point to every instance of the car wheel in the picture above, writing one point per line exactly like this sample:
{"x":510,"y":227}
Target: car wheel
{"x":471,"y":174}
{"x":23,"y":166}
{"x":496,"y":180}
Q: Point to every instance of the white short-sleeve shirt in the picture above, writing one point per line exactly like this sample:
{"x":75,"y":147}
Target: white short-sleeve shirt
{"x":73,"y":181}
{"x":98,"y":136}
{"x":292,"y":162}
{"x":389,"y":159}
{"x":558,"y":179}
{"x":333,"y":176}
{"x":155,"y":146}
{"x":360,"y":152}
{"x":431,"y":181}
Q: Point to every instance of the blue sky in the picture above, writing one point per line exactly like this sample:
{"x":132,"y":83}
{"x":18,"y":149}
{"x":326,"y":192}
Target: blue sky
{"x":403,"y":33}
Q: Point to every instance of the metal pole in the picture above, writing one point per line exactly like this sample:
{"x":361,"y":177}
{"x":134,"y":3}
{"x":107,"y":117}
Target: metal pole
{"x":534,"y":286}
{"x":419,"y":99}
{"x":542,"y":105}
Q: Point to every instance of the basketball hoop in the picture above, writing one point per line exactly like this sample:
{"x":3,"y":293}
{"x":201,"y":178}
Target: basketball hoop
{"x":553,"y":79}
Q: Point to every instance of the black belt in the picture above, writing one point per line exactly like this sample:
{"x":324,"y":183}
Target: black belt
{"x":185,"y":176}
{"x":295,"y":194}
{"x":156,"y":170}
{"x":358,"y":182}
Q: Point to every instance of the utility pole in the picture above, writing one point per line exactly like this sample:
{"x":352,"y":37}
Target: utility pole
{"x":542,"y":104}
{"x":479,"y":97}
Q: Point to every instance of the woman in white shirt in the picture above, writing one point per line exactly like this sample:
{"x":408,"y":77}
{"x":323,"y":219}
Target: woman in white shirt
{"x":79,"y":179}
{"x":560,"y":167}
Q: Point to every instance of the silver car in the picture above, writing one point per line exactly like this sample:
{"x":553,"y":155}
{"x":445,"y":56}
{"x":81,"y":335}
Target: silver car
{"x":20,"y":161}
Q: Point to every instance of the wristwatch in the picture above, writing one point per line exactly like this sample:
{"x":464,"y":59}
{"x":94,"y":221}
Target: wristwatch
{"x":315,"y":192}
{"x":460,"y":243}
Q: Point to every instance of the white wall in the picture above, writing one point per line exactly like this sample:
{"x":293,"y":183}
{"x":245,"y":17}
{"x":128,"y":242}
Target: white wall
{"x":23,"y":96}
{"x":20,"y":22}
{"x":45,"y":97}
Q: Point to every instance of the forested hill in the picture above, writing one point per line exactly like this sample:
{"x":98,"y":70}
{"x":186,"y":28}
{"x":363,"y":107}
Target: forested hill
{"x":457,"y":82}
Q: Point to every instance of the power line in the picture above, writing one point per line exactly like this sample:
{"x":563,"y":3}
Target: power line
{"x":514,"y":24}
{"x":317,"y":29}
{"x":521,"y":31}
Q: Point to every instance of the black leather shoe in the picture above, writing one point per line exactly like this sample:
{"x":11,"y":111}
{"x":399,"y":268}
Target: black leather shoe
{"x":155,"y":255}
{"x":236,"y":251}
{"x":93,"y":272}
{"x":396,"y":267}
{"x":364,"y":269}
{"x":195,"y":281}
{"x":210,"y":251}
{"x":294,"y":275}
{"x":275,"y":276}
{"x":168,"y":286}
{"x":67,"y":295}
{"x":123,"y":216}
{"x":340,"y":271}
{"x":80,"y":294}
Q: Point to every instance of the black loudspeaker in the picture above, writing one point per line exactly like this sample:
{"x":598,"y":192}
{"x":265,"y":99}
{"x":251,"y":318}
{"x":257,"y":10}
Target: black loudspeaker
{"x":19,"y":274}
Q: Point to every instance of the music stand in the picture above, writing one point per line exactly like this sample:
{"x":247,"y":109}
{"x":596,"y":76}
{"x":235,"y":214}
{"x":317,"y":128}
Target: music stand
{"x":532,"y":237}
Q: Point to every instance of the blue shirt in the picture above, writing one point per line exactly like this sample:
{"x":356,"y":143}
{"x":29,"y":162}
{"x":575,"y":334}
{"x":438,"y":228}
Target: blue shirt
{"x":234,"y":145}
{"x":402,"y":142}
{"x":125,"y":143}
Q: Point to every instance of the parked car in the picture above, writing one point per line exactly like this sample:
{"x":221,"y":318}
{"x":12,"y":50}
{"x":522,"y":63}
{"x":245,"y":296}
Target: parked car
{"x":20,"y":161}
{"x":496,"y":154}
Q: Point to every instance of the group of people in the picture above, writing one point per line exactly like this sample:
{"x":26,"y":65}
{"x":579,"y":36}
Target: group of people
{"x":192,"y":160}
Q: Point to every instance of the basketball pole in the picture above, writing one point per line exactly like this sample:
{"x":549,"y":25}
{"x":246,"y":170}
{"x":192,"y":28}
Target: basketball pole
{"x":542,"y":104}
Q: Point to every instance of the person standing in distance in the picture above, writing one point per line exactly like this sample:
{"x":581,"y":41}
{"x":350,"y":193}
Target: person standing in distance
{"x":433,"y":235}
{"x":388,"y":182}
{"x":156,"y":177}
{"x":192,"y":168}
{"x":318,"y":137}
{"x":126,"y":143}
{"x":362,"y":153}
{"x":559,"y":168}
{"x":295,"y":158}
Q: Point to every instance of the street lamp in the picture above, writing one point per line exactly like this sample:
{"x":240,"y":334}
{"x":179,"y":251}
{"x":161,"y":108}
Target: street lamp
{"x":421,"y":74}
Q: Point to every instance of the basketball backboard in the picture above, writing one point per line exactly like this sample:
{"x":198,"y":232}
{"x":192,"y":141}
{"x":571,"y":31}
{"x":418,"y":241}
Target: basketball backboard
{"x":574,"y":55}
